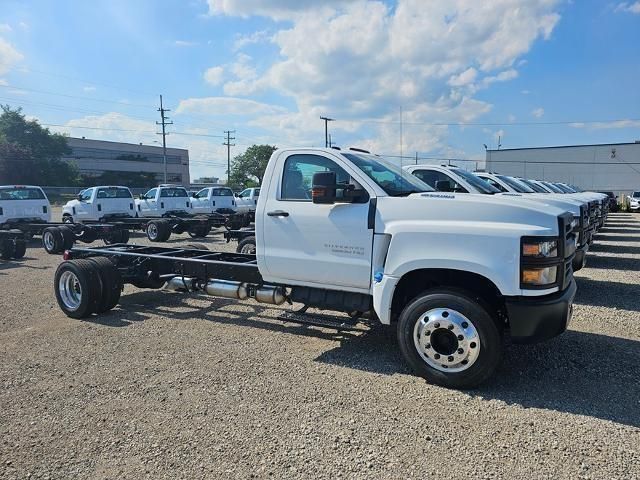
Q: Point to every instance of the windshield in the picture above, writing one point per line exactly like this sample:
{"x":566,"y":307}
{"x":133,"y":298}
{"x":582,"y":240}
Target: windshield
{"x":636,"y":194}
{"x":564,"y":188}
{"x":476,"y":182}
{"x":173,"y":192}
{"x":517,"y":185}
{"x":21,"y":193}
{"x":532,"y":185}
{"x":552,"y":187}
{"x":392,"y":179}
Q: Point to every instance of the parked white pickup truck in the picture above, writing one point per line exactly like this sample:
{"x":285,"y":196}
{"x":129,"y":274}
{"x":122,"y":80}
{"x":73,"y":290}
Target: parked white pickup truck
{"x":350,"y":232}
{"x":634,"y":201}
{"x":23,"y":203}
{"x":247,"y":200}
{"x":458,"y":180}
{"x":164,"y":200}
{"x":214,"y":200}
{"x":100,"y":204}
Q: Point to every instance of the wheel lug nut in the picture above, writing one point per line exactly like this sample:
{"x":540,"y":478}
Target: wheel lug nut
{"x":450,"y":327}
{"x":460,"y":351}
{"x":450,"y":358}
{"x":436,"y":356}
{"x":465,"y":324}
{"x":427,"y":333}
{"x":428,"y":345}
{"x":445,"y":314}
{"x":460,"y":338}
{"x":472,"y":344}
{"x":464,"y":362}
{"x":436,"y":325}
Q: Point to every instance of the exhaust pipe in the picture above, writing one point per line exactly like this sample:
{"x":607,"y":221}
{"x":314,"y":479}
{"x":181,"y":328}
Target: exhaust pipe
{"x":222,"y":288}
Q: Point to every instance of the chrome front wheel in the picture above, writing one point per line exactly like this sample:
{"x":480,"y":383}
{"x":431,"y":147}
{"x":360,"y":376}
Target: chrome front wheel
{"x":70,"y":290}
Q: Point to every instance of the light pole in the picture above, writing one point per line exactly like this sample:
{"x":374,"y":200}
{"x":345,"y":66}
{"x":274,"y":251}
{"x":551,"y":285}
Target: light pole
{"x":326,"y":132}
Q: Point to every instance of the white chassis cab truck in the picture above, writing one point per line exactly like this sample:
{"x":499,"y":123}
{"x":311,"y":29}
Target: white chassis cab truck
{"x":101,"y":204}
{"x":348,"y":231}
{"x":164,"y":200}
{"x":457,"y":180}
{"x":247,"y":201}
{"x":214,"y":200}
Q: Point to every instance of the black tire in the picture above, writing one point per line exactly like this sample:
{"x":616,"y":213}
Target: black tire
{"x":67,"y":219}
{"x":7,"y":249}
{"x":52,"y":240}
{"x":158,"y":230}
{"x":110,"y":282}
{"x":19,"y":249}
{"x":125,"y":235}
{"x":200,"y":231}
{"x":88,"y":288}
{"x":196,"y":246}
{"x":151,"y":283}
{"x":88,"y":235}
{"x":490,"y":338}
{"x":68,"y":237}
{"x":247,"y":246}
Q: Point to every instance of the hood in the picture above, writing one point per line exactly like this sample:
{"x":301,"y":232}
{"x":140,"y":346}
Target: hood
{"x":555,"y":199}
{"x":468,"y":210}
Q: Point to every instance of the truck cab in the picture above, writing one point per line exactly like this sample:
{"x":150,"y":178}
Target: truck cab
{"x":100,"y":204}
{"x":22,"y":204}
{"x":164,"y":200}
{"x":214,"y":200}
{"x":247,"y":200}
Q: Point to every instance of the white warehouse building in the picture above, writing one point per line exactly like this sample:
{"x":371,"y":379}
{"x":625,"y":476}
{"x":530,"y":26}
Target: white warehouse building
{"x":611,"y":167}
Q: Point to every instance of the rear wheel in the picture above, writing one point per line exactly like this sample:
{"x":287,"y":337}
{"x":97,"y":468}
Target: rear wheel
{"x":19,"y":249}
{"x":7,"y":249}
{"x":158,"y":230}
{"x":247,"y":246}
{"x":110,"y":281}
{"x":199,"y":231}
{"x":67,"y":219}
{"x":68,"y":237}
{"x":449,"y":339}
{"x":52,"y":240}
{"x":78,"y":288}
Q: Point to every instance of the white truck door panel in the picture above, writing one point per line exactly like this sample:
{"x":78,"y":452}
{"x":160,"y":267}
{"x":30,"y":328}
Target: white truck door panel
{"x":201,"y":201}
{"x":307,"y":242}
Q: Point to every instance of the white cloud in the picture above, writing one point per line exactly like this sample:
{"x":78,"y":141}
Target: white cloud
{"x":24,"y":26}
{"x":5,"y":28}
{"x":184,"y":43}
{"x":511,"y":118}
{"x":538,"y":112}
{"x":628,"y":7}
{"x":255,"y":37}
{"x":607,"y":125}
{"x":89,"y":88}
{"x":9,"y":56}
{"x":226,"y":106}
{"x":370,"y":58}
{"x":3,"y":82}
{"x":214,"y":75}
{"x":525,"y":92}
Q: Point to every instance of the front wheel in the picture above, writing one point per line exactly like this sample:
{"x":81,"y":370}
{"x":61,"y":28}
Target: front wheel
{"x":247,"y":246}
{"x":449,"y":339}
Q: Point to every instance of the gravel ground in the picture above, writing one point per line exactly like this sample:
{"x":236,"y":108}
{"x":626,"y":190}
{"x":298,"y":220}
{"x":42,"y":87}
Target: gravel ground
{"x":172,"y":386}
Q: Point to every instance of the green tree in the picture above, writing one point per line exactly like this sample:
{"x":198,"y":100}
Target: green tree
{"x":32,"y":153}
{"x":247,"y":169}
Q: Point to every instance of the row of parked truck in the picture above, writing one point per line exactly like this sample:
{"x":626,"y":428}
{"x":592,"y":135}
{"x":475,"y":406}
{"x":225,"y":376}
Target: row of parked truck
{"x":111,"y":212}
{"x":457,"y":262}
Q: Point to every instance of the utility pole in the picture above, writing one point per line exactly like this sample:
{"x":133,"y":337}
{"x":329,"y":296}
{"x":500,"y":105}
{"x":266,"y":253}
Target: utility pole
{"x":330,"y":143}
{"x":164,"y":123}
{"x":228,"y":144}
{"x":326,"y":131}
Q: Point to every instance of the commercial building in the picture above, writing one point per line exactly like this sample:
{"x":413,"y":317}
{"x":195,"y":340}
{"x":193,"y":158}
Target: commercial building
{"x":127,"y":163}
{"x":605,"y":167}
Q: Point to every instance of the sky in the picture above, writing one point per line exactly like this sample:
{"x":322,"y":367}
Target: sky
{"x":433,"y":78}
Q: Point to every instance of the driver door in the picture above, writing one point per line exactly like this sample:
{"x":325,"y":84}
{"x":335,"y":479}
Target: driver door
{"x":325,"y":245}
{"x":148,"y":204}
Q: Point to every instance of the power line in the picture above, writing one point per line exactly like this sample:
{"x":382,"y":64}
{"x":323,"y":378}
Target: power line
{"x":229,"y":145}
{"x":490,"y":124}
{"x":164,"y":123}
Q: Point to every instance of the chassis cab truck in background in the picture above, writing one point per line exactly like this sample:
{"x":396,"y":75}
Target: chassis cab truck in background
{"x":350,"y":232}
{"x":100,"y":204}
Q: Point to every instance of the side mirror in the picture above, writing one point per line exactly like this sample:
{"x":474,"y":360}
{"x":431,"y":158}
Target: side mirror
{"x":79,"y":197}
{"x":142,"y":196}
{"x":323,"y":187}
{"x":443,"y":186}
{"x":193,"y":194}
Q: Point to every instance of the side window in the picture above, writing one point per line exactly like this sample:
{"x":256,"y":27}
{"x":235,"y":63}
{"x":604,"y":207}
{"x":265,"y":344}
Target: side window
{"x":86,"y":195}
{"x":427,"y":176}
{"x":202,"y":193}
{"x":256,"y":192}
{"x":493,"y":183}
{"x":432,"y":178}
{"x":244,"y":193}
{"x":298,"y":175}
{"x":151,"y":194}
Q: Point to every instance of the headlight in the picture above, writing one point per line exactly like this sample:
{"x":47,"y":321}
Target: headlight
{"x":540,"y":249}
{"x":539,"y":276}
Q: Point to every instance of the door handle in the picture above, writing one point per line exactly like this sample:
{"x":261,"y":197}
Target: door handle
{"x":278,"y":213}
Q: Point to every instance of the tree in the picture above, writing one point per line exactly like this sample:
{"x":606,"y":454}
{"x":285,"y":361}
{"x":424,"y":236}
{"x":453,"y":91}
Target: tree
{"x":247,"y":169}
{"x":31,"y":153}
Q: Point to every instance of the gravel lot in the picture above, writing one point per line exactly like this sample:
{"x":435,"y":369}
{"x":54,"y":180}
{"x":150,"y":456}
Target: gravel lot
{"x":172,"y":386}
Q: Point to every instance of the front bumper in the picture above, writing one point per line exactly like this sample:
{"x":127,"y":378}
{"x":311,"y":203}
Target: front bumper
{"x":580,"y":258}
{"x":535,"y":319}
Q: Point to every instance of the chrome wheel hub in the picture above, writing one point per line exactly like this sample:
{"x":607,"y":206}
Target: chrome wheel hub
{"x":446,"y":340}
{"x":70,"y":290}
{"x":152,"y":231}
{"x":249,"y":249}
{"x":48,"y":240}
